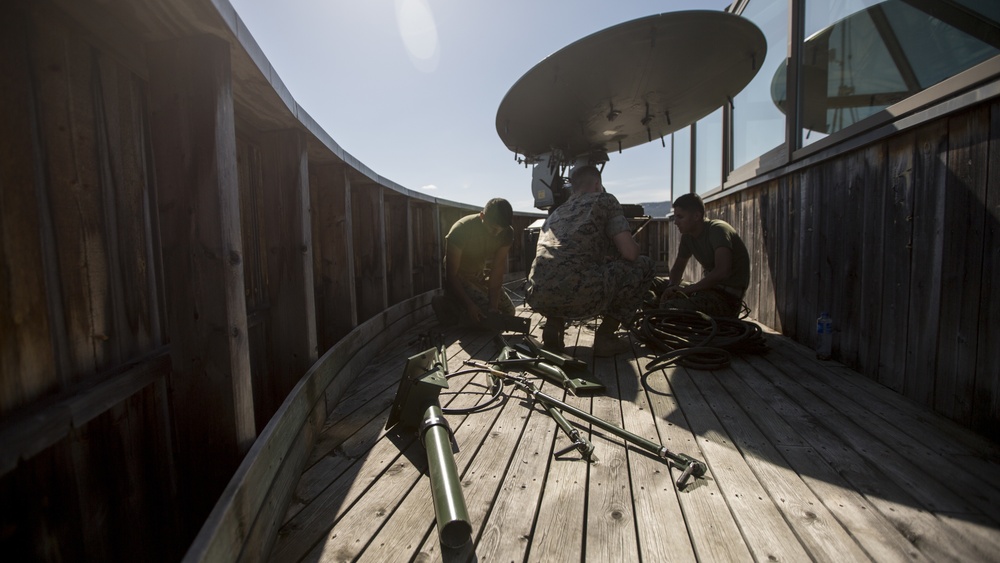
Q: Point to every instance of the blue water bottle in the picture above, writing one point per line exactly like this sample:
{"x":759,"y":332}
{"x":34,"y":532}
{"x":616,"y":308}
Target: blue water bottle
{"x":824,"y":336}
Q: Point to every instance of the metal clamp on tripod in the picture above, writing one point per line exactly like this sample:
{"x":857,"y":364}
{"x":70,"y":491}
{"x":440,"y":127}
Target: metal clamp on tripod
{"x":551,"y":366}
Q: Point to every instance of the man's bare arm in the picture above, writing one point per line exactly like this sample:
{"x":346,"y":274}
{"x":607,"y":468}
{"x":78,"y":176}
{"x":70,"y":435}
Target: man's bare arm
{"x":626,"y":245}
{"x":723,"y":268}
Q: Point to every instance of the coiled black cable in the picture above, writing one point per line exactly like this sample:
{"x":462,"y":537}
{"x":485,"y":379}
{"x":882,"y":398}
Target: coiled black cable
{"x":496,"y":390}
{"x":739,"y":336}
{"x":701,"y":357}
{"x":672,"y":329}
{"x":695,"y":340}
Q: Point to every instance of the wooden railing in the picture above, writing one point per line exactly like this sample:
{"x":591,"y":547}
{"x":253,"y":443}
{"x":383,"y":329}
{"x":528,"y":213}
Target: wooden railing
{"x":245,"y":520}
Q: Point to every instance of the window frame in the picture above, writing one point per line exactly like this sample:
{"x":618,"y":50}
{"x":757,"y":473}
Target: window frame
{"x":792,"y":150}
{"x":967,"y":88}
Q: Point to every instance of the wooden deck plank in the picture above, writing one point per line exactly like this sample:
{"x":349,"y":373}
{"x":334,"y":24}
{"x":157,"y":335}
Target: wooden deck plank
{"x":352,"y":428}
{"x":356,"y":526}
{"x":974,"y":488}
{"x":899,"y":462}
{"x":819,"y":531}
{"x":487,"y":474}
{"x":355,"y":408}
{"x":807,"y":461}
{"x":561,"y":514}
{"x":939,"y":483}
{"x":867,"y":526}
{"x":509,"y":530}
{"x":611,"y":526}
{"x":348,"y":480}
{"x":362,"y":425}
{"x":715,"y":535}
{"x":863,"y":474}
{"x":507,"y":533}
{"x":413,"y":523}
{"x":318,"y":477}
{"x":977,"y":452}
{"x":662,"y":532}
{"x":507,"y":524}
{"x":302,"y":532}
{"x":761,"y":523}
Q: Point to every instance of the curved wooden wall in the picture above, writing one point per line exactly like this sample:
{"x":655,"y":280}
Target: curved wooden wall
{"x":244,"y":523}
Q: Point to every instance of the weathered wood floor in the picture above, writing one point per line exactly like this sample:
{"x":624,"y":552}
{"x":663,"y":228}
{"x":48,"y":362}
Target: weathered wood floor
{"x":807,"y":461}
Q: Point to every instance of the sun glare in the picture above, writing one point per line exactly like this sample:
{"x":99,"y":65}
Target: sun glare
{"x":419,"y":33}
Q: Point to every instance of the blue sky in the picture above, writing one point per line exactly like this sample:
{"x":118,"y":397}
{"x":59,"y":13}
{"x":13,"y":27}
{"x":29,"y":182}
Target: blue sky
{"x":411,"y":87}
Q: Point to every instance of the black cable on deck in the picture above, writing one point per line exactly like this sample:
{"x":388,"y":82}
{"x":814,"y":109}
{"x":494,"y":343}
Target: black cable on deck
{"x":695,"y":340}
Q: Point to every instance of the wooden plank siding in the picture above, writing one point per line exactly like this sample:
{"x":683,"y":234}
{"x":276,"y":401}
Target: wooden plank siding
{"x":986,"y":395}
{"x":74,"y":214}
{"x":250,"y":161}
{"x":425,"y":245}
{"x":399,"y":238}
{"x":245,"y":521}
{"x":30,"y":356}
{"x":333,"y":255}
{"x":897,"y":256}
{"x":368,"y":222}
{"x":191,"y":106}
{"x":292,"y":312}
{"x":962,"y":245}
{"x":88,"y":452}
{"x":895,"y":240}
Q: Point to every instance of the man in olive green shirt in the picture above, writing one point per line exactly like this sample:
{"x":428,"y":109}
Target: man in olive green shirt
{"x":719,"y":250}
{"x":473,"y":242}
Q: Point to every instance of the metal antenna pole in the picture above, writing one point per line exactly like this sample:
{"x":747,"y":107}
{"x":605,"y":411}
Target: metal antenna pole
{"x":689,"y":466}
{"x":417,"y":407}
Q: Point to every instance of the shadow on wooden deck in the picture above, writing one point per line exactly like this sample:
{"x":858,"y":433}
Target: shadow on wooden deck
{"x":807,"y":461}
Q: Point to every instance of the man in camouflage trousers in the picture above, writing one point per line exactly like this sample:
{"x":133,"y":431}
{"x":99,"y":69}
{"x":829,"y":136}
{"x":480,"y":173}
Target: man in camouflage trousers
{"x":587,"y":264}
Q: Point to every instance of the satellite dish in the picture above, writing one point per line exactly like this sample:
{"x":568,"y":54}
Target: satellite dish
{"x":630,"y":84}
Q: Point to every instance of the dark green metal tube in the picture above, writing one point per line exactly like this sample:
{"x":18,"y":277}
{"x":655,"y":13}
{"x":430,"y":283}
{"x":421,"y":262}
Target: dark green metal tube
{"x":689,"y":466}
{"x":645,"y":444}
{"x":600,"y":423}
{"x":580,"y":443}
{"x":551,"y":372}
{"x":452,"y":516}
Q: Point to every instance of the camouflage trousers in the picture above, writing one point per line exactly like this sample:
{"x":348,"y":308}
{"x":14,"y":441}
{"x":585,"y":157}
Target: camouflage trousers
{"x":614,"y":289}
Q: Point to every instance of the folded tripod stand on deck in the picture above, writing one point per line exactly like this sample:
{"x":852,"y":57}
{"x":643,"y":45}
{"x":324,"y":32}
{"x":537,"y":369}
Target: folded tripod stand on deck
{"x":689,"y":466}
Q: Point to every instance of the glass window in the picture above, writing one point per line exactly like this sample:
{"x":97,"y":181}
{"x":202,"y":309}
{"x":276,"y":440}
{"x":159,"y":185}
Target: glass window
{"x":681,"y":168}
{"x":708,"y":152}
{"x":860,"y":57}
{"x":990,"y":9}
{"x":758,"y":121}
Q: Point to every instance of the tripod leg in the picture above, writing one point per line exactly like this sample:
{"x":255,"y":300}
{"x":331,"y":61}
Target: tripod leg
{"x":585,"y":447}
